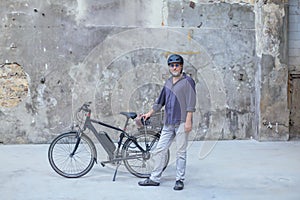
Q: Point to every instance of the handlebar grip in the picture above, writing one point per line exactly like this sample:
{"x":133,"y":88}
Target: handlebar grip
{"x":85,"y":107}
{"x":145,"y":122}
{"x":87,"y":104}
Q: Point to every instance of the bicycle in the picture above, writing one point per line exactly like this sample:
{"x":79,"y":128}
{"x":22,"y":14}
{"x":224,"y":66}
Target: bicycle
{"x":73,"y":154}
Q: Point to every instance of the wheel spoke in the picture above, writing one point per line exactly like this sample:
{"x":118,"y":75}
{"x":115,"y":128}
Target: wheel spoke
{"x":138,"y":163}
{"x":66,"y":164}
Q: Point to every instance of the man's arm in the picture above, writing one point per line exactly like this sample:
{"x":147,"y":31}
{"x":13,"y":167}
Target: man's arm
{"x":191,"y":103}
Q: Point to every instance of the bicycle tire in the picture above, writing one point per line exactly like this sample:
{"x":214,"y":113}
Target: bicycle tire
{"x":68,"y":165}
{"x":142,"y":166}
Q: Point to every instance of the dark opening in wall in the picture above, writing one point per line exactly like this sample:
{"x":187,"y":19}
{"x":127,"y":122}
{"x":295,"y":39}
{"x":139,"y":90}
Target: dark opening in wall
{"x":294,"y":98}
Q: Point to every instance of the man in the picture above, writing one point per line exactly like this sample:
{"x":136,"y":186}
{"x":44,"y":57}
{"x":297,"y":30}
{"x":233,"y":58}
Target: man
{"x":178,"y":96}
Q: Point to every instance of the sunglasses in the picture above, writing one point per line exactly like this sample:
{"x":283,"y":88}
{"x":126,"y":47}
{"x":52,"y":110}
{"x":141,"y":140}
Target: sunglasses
{"x":174,"y":65}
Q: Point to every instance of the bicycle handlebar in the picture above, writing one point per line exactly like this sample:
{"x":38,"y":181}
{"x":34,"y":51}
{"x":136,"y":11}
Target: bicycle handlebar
{"x":85,"y":107}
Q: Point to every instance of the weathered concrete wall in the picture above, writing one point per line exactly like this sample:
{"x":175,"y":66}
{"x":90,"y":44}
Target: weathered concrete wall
{"x":294,"y":36}
{"x":294,"y":67}
{"x":114,"y":53}
{"x":272,"y":73}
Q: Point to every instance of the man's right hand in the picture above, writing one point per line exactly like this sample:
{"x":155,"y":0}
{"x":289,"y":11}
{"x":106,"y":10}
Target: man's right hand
{"x":148,"y":114}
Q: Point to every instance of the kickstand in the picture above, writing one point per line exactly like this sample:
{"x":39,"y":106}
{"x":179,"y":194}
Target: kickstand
{"x":115,"y":174}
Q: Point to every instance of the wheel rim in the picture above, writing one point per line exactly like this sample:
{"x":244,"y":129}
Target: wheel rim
{"x":142,"y":166}
{"x":67,"y":164}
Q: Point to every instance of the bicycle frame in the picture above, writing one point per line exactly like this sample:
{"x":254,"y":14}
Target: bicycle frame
{"x":106,"y":141}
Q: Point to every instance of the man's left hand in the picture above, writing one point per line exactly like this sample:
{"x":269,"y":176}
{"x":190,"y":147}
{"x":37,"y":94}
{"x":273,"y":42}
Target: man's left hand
{"x":188,"y":127}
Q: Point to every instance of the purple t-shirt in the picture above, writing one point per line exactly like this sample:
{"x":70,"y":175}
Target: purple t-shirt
{"x":178,"y":99}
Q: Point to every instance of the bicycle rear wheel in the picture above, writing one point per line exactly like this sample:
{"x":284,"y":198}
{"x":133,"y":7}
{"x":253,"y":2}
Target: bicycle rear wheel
{"x":138,"y":163}
{"x":67,"y":162}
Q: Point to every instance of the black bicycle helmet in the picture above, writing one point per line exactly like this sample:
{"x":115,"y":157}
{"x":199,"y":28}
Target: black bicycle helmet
{"x":175,"y":58}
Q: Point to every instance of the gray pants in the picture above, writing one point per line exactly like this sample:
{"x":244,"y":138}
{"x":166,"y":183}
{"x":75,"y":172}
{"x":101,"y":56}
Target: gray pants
{"x":168,"y":134}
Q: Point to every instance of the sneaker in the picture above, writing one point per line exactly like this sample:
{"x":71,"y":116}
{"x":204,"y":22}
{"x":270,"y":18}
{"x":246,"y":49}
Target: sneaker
{"x":178,"y":185}
{"x":148,"y":182}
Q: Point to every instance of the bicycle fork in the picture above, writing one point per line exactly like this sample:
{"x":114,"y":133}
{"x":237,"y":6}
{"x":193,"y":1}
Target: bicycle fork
{"x":76,"y":146}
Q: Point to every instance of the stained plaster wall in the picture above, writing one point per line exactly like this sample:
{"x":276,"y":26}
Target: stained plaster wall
{"x":114,"y":54}
{"x":272,"y":74}
{"x":294,"y":36}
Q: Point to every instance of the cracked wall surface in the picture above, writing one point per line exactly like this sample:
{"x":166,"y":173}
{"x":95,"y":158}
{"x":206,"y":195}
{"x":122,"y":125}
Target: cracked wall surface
{"x":114,"y":54}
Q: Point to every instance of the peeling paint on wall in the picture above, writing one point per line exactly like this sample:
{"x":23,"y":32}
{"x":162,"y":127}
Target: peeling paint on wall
{"x":269,"y":19}
{"x":13,"y":85}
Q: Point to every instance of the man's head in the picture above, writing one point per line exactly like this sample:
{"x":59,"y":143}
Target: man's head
{"x":175,"y":63}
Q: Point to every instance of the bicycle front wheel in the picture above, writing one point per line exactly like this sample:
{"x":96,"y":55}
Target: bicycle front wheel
{"x":72,"y":156}
{"x":140,"y":163}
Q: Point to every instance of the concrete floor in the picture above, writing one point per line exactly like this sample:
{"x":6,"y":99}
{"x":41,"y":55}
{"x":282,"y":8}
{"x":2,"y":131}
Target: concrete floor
{"x":235,"y":170}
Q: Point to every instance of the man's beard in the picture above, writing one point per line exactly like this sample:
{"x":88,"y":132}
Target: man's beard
{"x":175,"y":74}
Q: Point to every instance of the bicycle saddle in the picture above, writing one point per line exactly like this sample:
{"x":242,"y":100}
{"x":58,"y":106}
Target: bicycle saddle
{"x":131,"y":115}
